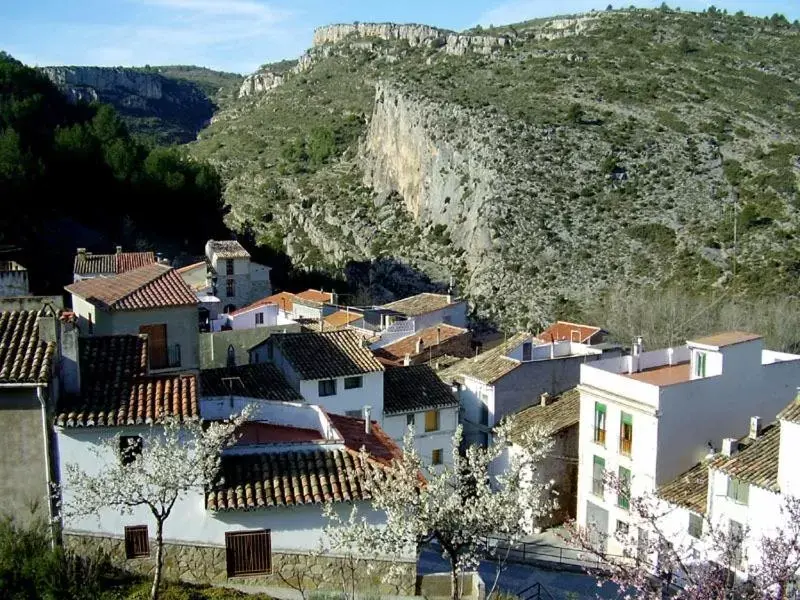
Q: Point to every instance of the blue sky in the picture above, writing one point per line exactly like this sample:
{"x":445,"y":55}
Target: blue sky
{"x":239,"y":35}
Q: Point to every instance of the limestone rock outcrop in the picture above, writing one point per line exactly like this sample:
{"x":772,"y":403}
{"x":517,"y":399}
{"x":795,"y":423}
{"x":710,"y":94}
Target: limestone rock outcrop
{"x":90,"y":82}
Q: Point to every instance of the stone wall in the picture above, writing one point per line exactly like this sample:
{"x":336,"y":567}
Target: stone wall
{"x":206,"y":564}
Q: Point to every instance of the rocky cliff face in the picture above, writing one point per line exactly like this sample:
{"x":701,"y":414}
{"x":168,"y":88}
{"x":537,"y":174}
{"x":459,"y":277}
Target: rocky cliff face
{"x":415,"y":35}
{"x":78,"y":82}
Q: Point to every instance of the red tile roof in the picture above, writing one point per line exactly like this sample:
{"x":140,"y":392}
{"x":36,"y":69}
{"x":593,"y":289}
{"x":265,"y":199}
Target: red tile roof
{"x":727,"y":338}
{"x":87,"y":263}
{"x":116,"y":390}
{"x":378,"y":444}
{"x":431,"y":336}
{"x":315,"y":296}
{"x":341,"y":318}
{"x":151,"y":286}
{"x":571,"y":332}
{"x":24,"y":358}
{"x":284,"y":300}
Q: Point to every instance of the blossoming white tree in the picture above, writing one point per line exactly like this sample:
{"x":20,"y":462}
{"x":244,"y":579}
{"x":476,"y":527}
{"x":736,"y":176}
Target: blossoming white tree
{"x":173,"y":458}
{"x":664,"y":565}
{"x":457,"y":506}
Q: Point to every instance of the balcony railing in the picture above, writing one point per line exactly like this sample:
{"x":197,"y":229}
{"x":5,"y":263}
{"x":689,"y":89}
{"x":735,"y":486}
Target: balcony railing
{"x":169,"y":357}
{"x":625,"y":447}
{"x":600,"y":436}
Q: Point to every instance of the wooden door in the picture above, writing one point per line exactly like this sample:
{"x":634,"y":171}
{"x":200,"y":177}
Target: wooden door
{"x":156,"y":344}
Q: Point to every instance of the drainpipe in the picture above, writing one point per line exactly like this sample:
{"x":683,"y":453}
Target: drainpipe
{"x":51,"y":521}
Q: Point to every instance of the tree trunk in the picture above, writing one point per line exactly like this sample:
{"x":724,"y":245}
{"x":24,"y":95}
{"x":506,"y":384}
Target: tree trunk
{"x":159,"y":559}
{"x":455,"y":592}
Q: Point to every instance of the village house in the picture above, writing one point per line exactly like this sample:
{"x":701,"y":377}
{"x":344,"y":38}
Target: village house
{"x":13,"y":279}
{"x":283,"y":443}
{"x":415,"y":397}
{"x":152,"y":300}
{"x":238,"y":346}
{"x":559,"y":415}
{"x":29,"y":387}
{"x":333,"y":369}
{"x":427,"y":344}
{"x":280,"y":309}
{"x":511,"y":376}
{"x":651,"y":416}
{"x":87,"y":265}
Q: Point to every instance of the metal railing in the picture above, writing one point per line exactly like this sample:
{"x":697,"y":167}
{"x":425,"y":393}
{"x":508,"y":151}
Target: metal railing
{"x":600,"y":436}
{"x":625,"y":446}
{"x":535,"y":591}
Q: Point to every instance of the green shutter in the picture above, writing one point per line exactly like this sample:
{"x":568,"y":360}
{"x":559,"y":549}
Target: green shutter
{"x":627,"y":419}
{"x":731,"y":488}
{"x":744,"y":492}
{"x":600,"y":408}
{"x":600,"y":461}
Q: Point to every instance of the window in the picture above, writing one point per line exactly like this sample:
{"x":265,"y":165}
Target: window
{"x":736,"y":538}
{"x":600,"y":423}
{"x":230,"y":288}
{"x":527,"y":350}
{"x":229,"y":267}
{"x":484,"y":415}
{"x":327,"y":387}
{"x":700,"y":364}
{"x":642,"y":544}
{"x":410,"y":420}
{"x":231,"y":356}
{"x":248,"y":552}
{"x":695,"y":525}
{"x":137,"y":543}
{"x":738,"y":490}
{"x":624,"y":496}
{"x":259,"y":318}
{"x":351,"y":383}
{"x":626,"y":434}
{"x":622,"y":528}
{"x":436,"y":456}
{"x":598,"y":473}
{"x":432,"y":420}
{"x":156,"y":344}
{"x":130,"y":446}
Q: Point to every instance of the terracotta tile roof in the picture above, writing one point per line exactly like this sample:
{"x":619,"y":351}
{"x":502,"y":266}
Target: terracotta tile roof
{"x":315,"y":296}
{"x":431,"y":337}
{"x":688,"y":490}
{"x":23,"y":357}
{"x":560,"y":413}
{"x":252,"y":481}
{"x":378,"y":444}
{"x":792,"y":411}
{"x":414,"y":388}
{"x":663,"y":375}
{"x":257,"y":433}
{"x":341,"y":318}
{"x":116,"y":390}
{"x":420,"y":304}
{"x":284,"y":300}
{"x":489,"y":366}
{"x":97,"y":264}
{"x":151,"y":286}
{"x":228,"y":249}
{"x":728,"y":338}
{"x":756,"y":461}
{"x":573,"y":332}
{"x":326,"y":355}
{"x":262,"y":380}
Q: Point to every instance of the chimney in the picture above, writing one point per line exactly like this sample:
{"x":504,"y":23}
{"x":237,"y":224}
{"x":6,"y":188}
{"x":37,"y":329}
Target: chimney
{"x":729,"y":446}
{"x":419,"y":346}
{"x":334,"y":298}
{"x":70,"y":359}
{"x":755,"y":427}
{"x":438,"y":335}
{"x":81,"y":251}
{"x":449,"y":298}
{"x":119,"y":249}
{"x":46,"y":325}
{"x":367,"y":413}
{"x":406,"y":360}
{"x":544,"y":399}
{"x":670,"y":356}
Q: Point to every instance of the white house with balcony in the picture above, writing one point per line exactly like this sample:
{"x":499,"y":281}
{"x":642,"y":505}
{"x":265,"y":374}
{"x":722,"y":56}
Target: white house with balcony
{"x":513,"y":376}
{"x":652,"y":416}
{"x":152,"y":300}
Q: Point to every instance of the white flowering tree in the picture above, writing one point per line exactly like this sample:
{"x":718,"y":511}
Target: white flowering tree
{"x":457,"y":506}
{"x":666,"y":565}
{"x":173,"y":459}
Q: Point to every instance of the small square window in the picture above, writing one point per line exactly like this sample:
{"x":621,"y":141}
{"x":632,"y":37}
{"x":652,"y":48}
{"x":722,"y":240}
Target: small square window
{"x":229,"y":266}
{"x":410,"y":420}
{"x":432,"y":420}
{"x":137,"y":542}
{"x":695,"y":525}
{"x":351,"y":383}
{"x":327,"y":387}
{"x":484,"y":416}
{"x":622,"y":528}
{"x":130,"y":446}
{"x":436,"y":456}
{"x":230,"y":288}
{"x":259,"y":318}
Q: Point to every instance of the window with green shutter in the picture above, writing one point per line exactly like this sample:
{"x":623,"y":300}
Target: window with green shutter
{"x":624,"y":495}
{"x":700,"y":364}
{"x":626,"y":434}
{"x":738,"y":490}
{"x":598,"y":474}
{"x":599,"y":423}
{"x":695,"y":525}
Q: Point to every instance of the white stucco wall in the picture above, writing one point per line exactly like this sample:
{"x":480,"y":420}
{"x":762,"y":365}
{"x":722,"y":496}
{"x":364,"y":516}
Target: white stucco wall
{"x":247,"y":319}
{"x":788,"y":471}
{"x":396,"y":426}
{"x":369,"y":394}
{"x":454,"y":314}
{"x":297,"y":528}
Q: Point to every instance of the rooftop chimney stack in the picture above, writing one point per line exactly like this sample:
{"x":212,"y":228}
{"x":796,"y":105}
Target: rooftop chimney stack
{"x":81,"y":251}
{"x":755,"y":427}
{"x":419,"y":346}
{"x":438,"y":335}
{"x":729,"y":446}
{"x":406,"y":360}
{"x":367,"y":412}
{"x":544,"y":399}
{"x":119,"y":249}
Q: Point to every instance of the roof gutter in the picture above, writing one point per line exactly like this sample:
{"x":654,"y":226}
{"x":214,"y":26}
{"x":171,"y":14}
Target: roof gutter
{"x":51,"y":518}
{"x":25,"y":384}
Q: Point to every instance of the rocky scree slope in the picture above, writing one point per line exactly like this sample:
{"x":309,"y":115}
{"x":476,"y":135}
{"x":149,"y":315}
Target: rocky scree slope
{"x":166,"y":104}
{"x":538,"y":163}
